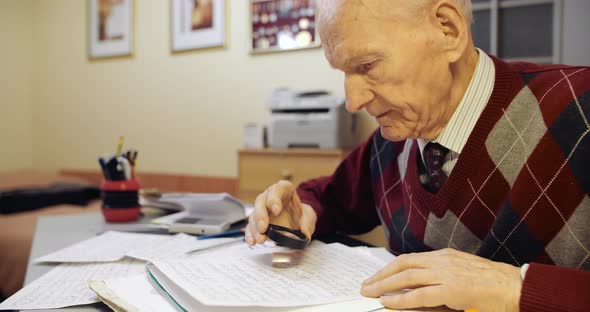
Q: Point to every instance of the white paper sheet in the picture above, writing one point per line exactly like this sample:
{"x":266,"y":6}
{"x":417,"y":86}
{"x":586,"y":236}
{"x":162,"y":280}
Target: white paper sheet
{"x":113,"y":246}
{"x":108,"y":247}
{"x":380,"y":253}
{"x":327,"y":274}
{"x":177,"y":247}
{"x":132,"y":293}
{"x":67,"y":285}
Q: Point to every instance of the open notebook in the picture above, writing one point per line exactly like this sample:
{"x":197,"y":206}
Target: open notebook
{"x":328,"y":279}
{"x":136,"y":294}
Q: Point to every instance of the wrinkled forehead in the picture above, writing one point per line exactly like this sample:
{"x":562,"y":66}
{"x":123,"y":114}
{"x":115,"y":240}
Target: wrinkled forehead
{"x":333,"y":14}
{"x":339,"y":19}
{"x":349,"y":27}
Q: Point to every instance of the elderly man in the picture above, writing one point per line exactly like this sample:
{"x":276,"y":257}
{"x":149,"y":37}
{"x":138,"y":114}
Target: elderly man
{"x":479,"y":173}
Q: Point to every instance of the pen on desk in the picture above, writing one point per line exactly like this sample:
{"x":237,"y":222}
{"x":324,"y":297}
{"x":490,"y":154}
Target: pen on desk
{"x":222,"y":245}
{"x":230,"y":233}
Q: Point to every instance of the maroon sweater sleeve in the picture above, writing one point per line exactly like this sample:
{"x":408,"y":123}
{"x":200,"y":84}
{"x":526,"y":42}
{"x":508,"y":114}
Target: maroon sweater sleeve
{"x":553,"y":288}
{"x":344,"y":201}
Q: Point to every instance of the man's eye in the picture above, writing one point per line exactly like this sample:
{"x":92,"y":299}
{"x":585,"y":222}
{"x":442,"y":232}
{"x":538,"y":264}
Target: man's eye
{"x":365,"y":68}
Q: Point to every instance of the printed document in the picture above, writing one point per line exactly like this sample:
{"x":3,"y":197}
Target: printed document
{"x":67,"y":285}
{"x":108,"y":247}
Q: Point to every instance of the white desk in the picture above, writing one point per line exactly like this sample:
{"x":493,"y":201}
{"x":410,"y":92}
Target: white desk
{"x":56,"y":232}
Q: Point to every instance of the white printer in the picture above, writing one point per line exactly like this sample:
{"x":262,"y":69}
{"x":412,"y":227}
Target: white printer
{"x":310,"y":119}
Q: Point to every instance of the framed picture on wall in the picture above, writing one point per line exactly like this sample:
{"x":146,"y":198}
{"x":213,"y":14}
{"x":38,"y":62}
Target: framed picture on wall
{"x":110,"y":27}
{"x":197,"y":24}
{"x":283,"y":25}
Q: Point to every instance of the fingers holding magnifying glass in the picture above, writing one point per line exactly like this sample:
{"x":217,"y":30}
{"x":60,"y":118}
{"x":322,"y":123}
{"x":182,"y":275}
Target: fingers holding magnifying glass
{"x":258,"y":222}
{"x":279,"y":204}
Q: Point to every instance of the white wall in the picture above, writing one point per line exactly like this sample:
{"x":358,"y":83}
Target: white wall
{"x":184,"y":112}
{"x":576,"y":25}
{"x":16,"y":70}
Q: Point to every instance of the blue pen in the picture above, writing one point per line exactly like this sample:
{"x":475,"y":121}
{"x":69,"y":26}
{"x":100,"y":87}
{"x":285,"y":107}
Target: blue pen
{"x":230,"y":233}
{"x":103,"y":165}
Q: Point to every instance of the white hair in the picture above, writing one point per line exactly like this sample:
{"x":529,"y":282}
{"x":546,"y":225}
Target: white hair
{"x":465,"y":5}
{"x":467,"y":9}
{"x":327,"y":7}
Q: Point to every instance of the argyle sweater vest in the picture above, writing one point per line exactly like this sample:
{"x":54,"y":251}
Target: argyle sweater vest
{"x":519,"y":192}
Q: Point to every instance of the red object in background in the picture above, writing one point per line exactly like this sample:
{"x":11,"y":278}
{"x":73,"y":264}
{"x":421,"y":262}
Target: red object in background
{"x":127,"y":214}
{"x":120,"y":186}
{"x":121,"y":214}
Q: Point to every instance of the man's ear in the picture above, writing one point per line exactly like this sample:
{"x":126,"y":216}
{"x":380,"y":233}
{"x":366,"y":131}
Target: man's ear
{"x":452,"y":28}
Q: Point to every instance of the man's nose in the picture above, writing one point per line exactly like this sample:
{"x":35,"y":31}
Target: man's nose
{"x":358,"y":94}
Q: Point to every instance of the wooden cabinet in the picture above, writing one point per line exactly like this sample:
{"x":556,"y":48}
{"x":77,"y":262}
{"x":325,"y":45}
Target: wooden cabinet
{"x":260,"y":168}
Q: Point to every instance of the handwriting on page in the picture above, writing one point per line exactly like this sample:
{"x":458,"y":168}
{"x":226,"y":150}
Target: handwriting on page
{"x":139,"y":293}
{"x":328,"y":273}
{"x":67,"y":285}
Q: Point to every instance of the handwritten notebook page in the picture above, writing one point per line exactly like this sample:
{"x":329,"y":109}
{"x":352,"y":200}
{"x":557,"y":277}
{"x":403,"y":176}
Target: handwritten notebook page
{"x":67,"y":285}
{"x":327,"y":274}
{"x":136,"y":294}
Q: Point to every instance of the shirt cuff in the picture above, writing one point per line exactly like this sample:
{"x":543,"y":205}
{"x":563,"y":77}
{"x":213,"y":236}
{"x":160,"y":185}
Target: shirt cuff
{"x":523,"y":270}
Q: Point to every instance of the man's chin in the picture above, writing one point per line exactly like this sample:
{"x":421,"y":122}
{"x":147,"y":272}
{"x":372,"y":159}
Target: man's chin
{"x":389,"y":134}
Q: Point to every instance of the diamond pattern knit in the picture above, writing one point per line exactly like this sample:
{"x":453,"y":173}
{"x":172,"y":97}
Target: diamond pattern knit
{"x":519,"y":193}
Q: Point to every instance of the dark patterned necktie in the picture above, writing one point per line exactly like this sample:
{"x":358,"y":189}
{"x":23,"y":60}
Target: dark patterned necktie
{"x":434,"y":157}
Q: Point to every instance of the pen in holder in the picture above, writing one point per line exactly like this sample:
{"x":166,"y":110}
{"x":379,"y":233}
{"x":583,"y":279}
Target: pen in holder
{"x":120,"y":200}
{"x":120,"y":187}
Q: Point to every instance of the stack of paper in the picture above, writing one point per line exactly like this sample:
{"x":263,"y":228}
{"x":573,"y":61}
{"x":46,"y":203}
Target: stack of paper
{"x":67,"y":285}
{"x":208,"y":213}
{"x":233,"y":277}
{"x":102,"y":257}
{"x":209,"y":203}
{"x":136,"y":293}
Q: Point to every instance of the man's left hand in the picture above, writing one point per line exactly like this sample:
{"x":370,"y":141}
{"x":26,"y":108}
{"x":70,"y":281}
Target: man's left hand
{"x":449,"y":278}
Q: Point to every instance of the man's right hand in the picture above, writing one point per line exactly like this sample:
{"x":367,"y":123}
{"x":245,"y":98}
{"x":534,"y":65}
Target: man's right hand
{"x":279,"y":205}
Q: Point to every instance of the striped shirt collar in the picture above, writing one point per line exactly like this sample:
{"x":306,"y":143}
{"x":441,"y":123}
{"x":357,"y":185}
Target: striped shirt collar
{"x":454,"y":136}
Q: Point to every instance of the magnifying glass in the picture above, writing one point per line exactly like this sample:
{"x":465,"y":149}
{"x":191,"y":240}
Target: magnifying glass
{"x":287,"y":237}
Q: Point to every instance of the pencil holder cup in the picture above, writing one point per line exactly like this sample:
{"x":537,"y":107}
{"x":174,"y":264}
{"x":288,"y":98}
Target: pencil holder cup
{"x":120,"y":200}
